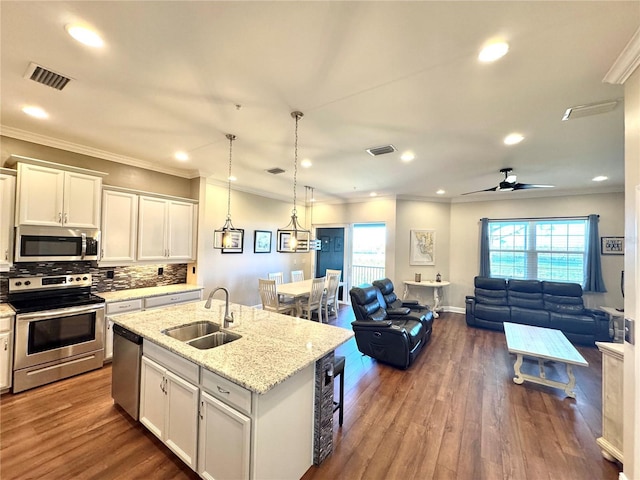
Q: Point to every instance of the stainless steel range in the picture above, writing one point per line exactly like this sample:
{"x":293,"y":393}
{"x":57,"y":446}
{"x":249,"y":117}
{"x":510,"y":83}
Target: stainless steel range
{"x":59,"y":328}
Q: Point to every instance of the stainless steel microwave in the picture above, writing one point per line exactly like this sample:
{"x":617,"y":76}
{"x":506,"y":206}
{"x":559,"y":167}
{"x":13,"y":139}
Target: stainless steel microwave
{"x":56,"y":244}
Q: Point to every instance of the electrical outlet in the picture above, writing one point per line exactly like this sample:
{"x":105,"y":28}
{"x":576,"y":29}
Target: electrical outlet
{"x":110,"y":273}
{"x":160,"y":271}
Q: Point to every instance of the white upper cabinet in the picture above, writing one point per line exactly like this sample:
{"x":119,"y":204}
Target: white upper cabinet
{"x":119,"y":226}
{"x":7,"y":196}
{"x":54,"y":197}
{"x":165,"y":229}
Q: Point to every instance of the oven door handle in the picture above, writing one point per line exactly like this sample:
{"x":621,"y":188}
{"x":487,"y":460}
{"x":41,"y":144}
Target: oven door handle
{"x":59,"y":312}
{"x":84,"y":246}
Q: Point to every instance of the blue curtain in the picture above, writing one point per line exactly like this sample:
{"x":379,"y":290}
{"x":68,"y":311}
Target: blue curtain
{"x":593,"y":281}
{"x":485,"y":264}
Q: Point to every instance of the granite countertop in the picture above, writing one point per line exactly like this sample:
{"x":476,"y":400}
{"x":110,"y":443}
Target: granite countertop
{"x":6,"y":310}
{"x":135,"y":293}
{"x":273,"y":347}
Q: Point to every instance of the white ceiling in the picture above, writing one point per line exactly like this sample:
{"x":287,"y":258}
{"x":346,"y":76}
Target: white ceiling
{"x":363,"y":73}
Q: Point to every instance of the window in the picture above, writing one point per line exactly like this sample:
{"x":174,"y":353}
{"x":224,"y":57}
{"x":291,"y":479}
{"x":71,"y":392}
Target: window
{"x":541,"y":249}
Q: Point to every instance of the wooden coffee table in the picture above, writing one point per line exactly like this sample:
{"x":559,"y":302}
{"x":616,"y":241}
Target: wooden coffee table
{"x":543,"y":344}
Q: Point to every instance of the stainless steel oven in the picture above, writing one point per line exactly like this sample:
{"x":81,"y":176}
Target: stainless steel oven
{"x":56,"y":244}
{"x":59,"y":328}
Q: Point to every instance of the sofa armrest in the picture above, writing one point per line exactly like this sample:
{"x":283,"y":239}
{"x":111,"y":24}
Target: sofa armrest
{"x":375,"y":324}
{"x":408,"y":303}
{"x":398,"y":312}
{"x":470,"y":304}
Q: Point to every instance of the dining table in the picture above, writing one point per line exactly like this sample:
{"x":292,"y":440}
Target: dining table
{"x":295,"y":290}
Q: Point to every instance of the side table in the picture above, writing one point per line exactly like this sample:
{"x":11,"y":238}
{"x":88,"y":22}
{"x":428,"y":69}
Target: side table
{"x":437,"y":291}
{"x":616,"y":323}
{"x":612,"y":382}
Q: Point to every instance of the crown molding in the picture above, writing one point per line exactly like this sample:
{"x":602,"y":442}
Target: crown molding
{"x":626,"y":63}
{"x":92,"y":152}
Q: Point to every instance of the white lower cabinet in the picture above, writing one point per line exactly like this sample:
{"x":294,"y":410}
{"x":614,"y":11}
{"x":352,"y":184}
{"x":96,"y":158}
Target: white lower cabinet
{"x":113,"y":308}
{"x":6,"y":352}
{"x":224,"y":441}
{"x":169,"y":409}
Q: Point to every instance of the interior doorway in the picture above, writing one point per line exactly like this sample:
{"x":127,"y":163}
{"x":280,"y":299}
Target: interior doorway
{"x":331,"y":253}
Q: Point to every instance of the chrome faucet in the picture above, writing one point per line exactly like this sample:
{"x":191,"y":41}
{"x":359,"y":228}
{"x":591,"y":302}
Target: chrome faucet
{"x":228,"y":318}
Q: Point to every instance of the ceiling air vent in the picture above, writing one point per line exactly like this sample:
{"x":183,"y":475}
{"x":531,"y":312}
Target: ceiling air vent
{"x":46,"y":77}
{"x":384,"y":149}
{"x":275,"y":171}
{"x":589,"y":109}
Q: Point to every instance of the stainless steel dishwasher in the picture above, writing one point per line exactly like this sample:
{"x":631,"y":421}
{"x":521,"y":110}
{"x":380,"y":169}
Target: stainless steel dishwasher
{"x":125,"y":370}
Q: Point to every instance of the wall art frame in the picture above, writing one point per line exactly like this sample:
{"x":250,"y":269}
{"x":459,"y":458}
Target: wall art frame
{"x":422,"y":247}
{"x":262,"y":241}
{"x":612,"y":245}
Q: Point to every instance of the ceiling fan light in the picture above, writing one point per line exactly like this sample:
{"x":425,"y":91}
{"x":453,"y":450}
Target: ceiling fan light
{"x":513,"y":139}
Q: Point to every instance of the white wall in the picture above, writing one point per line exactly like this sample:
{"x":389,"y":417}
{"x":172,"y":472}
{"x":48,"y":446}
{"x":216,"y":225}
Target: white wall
{"x":420,"y":215}
{"x":465,"y":234}
{"x":240,"y":272}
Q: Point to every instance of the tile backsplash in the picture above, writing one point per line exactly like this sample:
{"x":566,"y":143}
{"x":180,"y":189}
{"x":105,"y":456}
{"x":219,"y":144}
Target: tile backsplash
{"x":132,"y":276}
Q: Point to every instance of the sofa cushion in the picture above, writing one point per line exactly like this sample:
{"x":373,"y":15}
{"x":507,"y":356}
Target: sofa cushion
{"x":525,"y":294}
{"x":584,"y":324}
{"x":492,"y":313}
{"x":492,"y":291}
{"x":529,"y":316}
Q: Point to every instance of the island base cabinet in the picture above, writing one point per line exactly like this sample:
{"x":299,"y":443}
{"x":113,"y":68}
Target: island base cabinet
{"x":224,"y":441}
{"x":169,"y":409}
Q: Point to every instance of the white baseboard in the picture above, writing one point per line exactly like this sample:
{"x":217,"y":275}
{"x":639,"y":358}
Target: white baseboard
{"x":451,"y":309}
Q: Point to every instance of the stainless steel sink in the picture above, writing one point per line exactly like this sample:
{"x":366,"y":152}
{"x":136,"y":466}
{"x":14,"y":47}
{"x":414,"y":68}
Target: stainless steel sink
{"x":213,"y":340}
{"x":184,"y":333}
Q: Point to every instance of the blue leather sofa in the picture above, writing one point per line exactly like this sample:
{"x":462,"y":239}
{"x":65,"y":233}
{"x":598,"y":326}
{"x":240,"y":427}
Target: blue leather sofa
{"x":543,"y":304}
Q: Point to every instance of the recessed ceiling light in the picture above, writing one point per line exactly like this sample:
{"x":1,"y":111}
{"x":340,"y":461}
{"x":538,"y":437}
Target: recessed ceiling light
{"x":306,"y":163}
{"x":440,"y":192}
{"x":35,"y":112}
{"x":493,"y":51}
{"x":182,"y":156}
{"x":85,"y":35}
{"x":600,"y":178}
{"x":407,"y":156}
{"x":232,"y":178}
{"x":373,"y":194}
{"x":513,"y":138}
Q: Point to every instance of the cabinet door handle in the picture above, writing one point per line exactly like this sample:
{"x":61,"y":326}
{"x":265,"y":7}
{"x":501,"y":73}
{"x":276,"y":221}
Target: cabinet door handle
{"x":6,"y":254}
{"x":201,"y":410}
{"x":222,"y":390}
{"x":6,"y":345}
{"x":66,"y":218}
{"x":59,"y":217}
{"x":162,"y":385}
{"x":166,"y":390}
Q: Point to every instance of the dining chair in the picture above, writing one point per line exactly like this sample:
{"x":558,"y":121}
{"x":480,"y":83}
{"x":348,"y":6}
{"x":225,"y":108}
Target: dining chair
{"x":329,"y":271}
{"x":313,"y":303}
{"x":330,"y":298}
{"x":277,"y":276}
{"x":297,"y":275}
{"x":271,"y":300}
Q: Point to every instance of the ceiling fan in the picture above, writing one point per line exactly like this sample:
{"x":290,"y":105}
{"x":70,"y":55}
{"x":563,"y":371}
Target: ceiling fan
{"x":509,"y":184}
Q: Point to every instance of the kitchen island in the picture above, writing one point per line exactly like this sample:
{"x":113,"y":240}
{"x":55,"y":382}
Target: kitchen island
{"x":257,"y":407}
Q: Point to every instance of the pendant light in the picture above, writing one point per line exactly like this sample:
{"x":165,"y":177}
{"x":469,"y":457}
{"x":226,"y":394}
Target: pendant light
{"x":314,"y":244}
{"x":294,"y":238}
{"x":228,"y":236}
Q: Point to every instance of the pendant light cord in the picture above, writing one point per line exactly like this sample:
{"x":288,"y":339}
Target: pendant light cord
{"x":295,"y":161}
{"x":231,"y":139}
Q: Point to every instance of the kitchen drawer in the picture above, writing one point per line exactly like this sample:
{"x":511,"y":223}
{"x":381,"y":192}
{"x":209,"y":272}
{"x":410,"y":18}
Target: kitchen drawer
{"x":227,"y":391}
{"x":171,"y":361}
{"x":172,"y":299}
{"x":6,"y":323}
{"x":124,"y":306}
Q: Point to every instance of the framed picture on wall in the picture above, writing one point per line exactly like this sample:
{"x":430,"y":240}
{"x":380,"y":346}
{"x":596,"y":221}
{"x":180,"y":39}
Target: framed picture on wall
{"x":236,"y":242}
{"x":422,"y":249}
{"x":612,"y":245}
{"x":261,"y":241}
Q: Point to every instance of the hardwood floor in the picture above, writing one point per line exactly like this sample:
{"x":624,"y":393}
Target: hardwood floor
{"x":455,"y":414}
